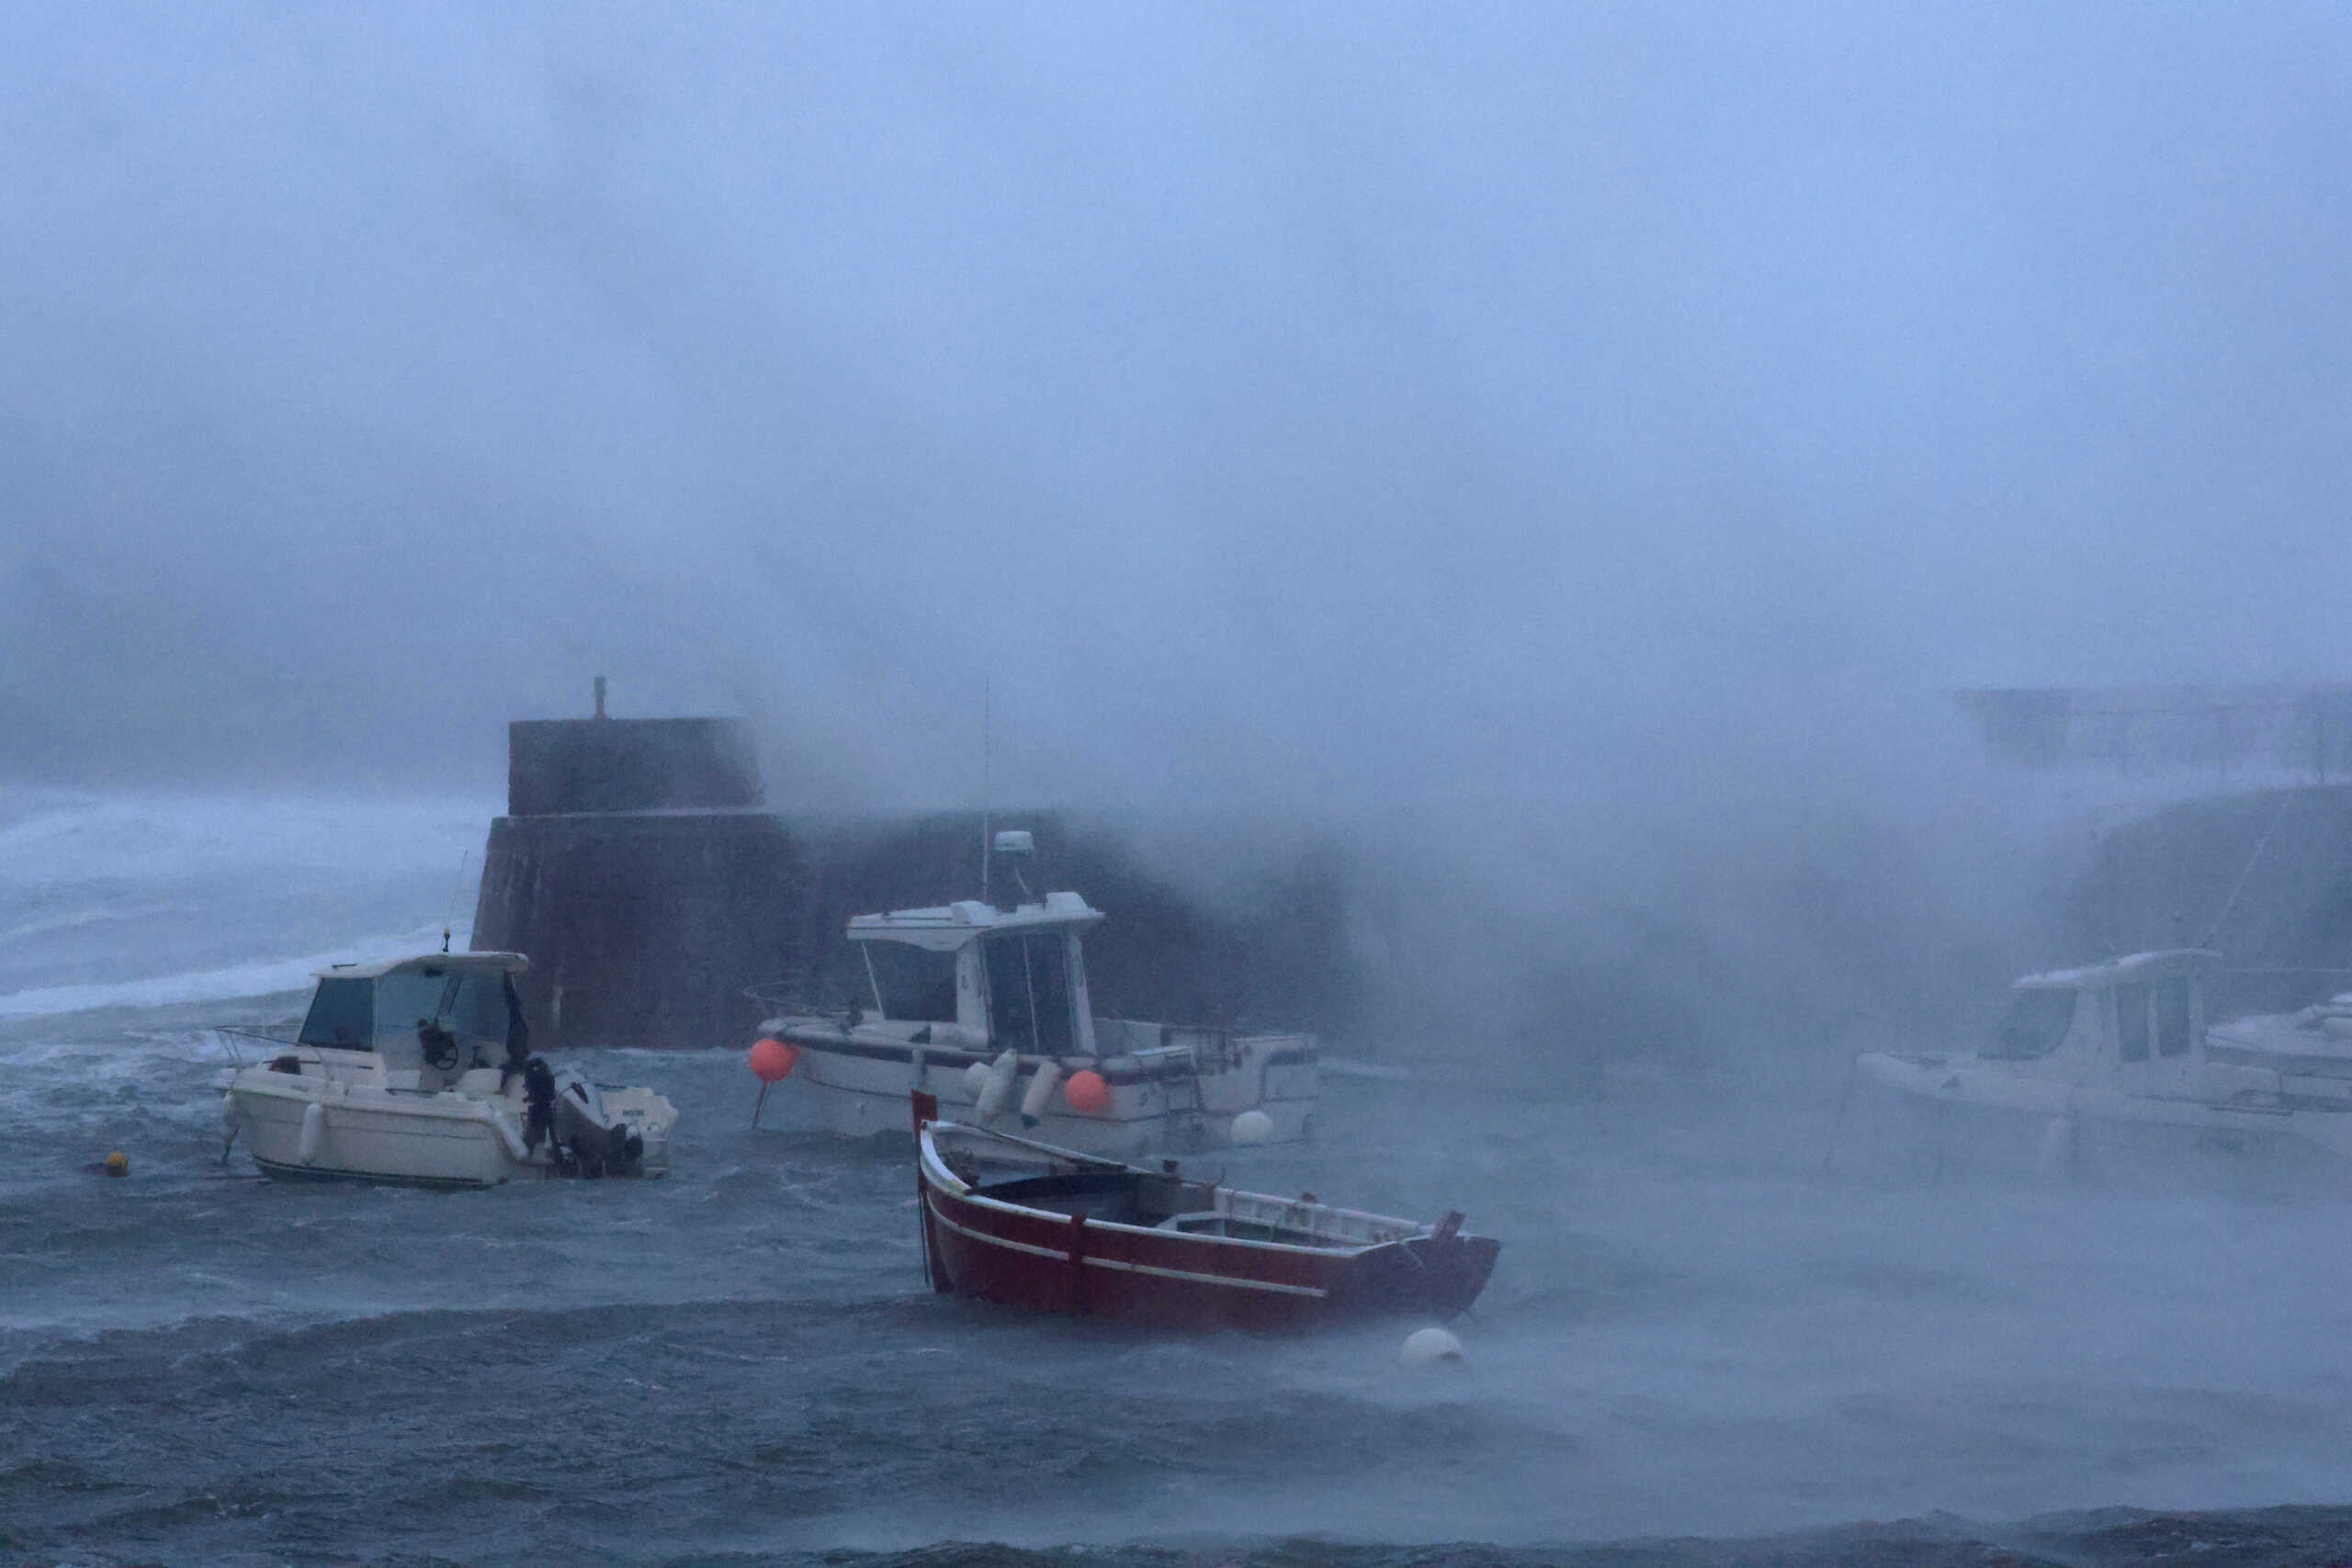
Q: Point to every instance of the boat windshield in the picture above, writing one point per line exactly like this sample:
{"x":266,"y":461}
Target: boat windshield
{"x":2037,"y":1020}
{"x":342,"y":1014}
{"x":355,"y":1015}
{"x":2172,"y":1028}
{"x":2131,"y":1023}
{"x":1028,"y":994}
{"x":909,"y":983}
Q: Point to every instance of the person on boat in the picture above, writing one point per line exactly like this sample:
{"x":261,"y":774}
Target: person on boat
{"x":518,"y":1034}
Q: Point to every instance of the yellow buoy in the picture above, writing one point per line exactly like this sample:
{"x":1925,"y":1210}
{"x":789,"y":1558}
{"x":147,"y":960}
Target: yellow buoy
{"x":118,"y":1163}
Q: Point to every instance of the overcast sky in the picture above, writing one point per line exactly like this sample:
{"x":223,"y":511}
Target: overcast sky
{"x":1265,"y":400}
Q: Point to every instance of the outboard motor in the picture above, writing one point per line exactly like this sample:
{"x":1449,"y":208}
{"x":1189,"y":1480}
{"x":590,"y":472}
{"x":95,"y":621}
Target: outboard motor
{"x":588,"y":1136}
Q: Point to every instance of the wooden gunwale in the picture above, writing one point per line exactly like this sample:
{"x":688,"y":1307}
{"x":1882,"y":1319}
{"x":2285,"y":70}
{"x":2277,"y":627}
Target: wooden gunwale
{"x":944,"y":1179}
{"x":1087,"y":1258}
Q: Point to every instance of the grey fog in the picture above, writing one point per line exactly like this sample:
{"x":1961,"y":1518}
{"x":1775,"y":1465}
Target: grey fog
{"x":1555,"y":471}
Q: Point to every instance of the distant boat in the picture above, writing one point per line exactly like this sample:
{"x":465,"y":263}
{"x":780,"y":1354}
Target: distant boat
{"x":984,"y":1005}
{"x":418,"y":1071}
{"x":2127,"y":1043}
{"x":1026,"y":1224}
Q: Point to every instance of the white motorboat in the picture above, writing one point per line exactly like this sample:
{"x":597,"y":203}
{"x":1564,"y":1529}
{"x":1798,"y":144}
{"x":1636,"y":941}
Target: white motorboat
{"x":420,"y":1071}
{"x":2127,"y":1044}
{"x":984,"y":1005}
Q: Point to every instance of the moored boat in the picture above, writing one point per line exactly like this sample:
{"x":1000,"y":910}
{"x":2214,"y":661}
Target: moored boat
{"x":2126,"y":1044}
{"x":420,"y":1071}
{"x":1008,"y":1220}
{"x":986,"y":1006}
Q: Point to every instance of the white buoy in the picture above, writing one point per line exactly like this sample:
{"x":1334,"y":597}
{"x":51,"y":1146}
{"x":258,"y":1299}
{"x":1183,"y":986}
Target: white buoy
{"x":976,"y":1080}
{"x":1430,"y":1347}
{"x":314,"y":1127}
{"x":1041,"y":1094}
{"x":998,"y":1090}
{"x":1252,"y":1127}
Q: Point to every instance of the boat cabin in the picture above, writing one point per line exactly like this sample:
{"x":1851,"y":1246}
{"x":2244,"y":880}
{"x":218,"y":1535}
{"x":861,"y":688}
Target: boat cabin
{"x":2140,"y":1017}
{"x":980,"y":977}
{"x":445,"y":1014}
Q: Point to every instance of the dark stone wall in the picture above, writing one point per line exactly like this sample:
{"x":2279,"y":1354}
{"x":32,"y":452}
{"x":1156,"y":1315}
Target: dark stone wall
{"x":651,"y":925}
{"x":643,"y":929}
{"x":629,"y":764}
{"x":2263,"y":877}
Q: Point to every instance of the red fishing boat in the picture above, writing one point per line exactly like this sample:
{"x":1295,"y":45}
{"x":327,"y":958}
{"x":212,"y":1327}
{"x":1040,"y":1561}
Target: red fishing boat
{"x":1032,"y":1225}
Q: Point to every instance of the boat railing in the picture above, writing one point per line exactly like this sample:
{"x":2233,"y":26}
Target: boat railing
{"x":1352,"y":1227}
{"x":804,"y":994}
{"x":1055,"y":1151}
{"x":229,"y":1037}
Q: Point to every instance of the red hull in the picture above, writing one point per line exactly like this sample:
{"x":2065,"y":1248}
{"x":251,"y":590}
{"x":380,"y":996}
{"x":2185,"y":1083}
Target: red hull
{"x":1048,"y":1261}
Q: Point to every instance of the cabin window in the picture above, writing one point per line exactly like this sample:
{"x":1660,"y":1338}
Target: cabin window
{"x":477,"y":1011}
{"x":2131,"y":1023}
{"x":470,"y":1003}
{"x":2172,"y":1019}
{"x":2034,"y":1025}
{"x":912,"y":983}
{"x":353,"y":1014}
{"x":342,"y":1014}
{"x":1028,"y":994}
{"x":407,"y":998}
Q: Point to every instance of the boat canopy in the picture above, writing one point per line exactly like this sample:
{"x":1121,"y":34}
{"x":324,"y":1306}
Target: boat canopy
{"x":512,"y":962}
{"x":2133,"y":968}
{"x":952,"y":926}
{"x":460,"y":998}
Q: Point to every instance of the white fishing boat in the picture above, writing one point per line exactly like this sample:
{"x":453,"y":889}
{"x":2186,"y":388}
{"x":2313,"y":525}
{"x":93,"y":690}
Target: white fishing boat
{"x":984,"y":1005}
{"x":419,"y":1071}
{"x":2126,"y":1044}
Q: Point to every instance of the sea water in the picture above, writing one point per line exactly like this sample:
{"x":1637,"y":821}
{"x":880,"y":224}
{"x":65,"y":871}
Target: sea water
{"x":1694,"y":1329}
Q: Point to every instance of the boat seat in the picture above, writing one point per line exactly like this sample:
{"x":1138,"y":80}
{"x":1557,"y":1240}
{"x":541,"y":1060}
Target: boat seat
{"x":482,"y":1083}
{"x":1197,"y":1221}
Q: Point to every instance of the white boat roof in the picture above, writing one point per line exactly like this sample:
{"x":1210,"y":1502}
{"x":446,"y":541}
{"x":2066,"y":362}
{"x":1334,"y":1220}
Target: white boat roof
{"x":950,"y":926}
{"x":512,"y":962}
{"x":2280,"y":1034}
{"x":2132,"y":966}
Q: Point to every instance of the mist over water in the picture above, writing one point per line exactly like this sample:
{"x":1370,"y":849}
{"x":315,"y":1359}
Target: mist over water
{"x":1557,"y":462}
{"x":1701,"y":1326}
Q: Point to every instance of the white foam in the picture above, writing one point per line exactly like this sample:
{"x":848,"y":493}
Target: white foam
{"x":264,"y":978}
{"x":66,"y":837}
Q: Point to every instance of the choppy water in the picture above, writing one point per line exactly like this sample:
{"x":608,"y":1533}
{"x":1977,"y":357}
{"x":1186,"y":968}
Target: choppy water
{"x":1691,"y":1334}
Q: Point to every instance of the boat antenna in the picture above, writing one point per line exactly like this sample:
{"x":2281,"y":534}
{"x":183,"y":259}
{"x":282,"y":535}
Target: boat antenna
{"x":457,"y":891}
{"x":987,"y":695}
{"x":2286,"y":798}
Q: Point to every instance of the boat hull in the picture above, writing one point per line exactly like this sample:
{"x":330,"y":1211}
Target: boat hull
{"x":859,"y":1090}
{"x":430,"y":1141}
{"x":278,"y":1171}
{"x":296,"y":1132}
{"x":2152,"y":1121}
{"x":1159,"y":1278}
